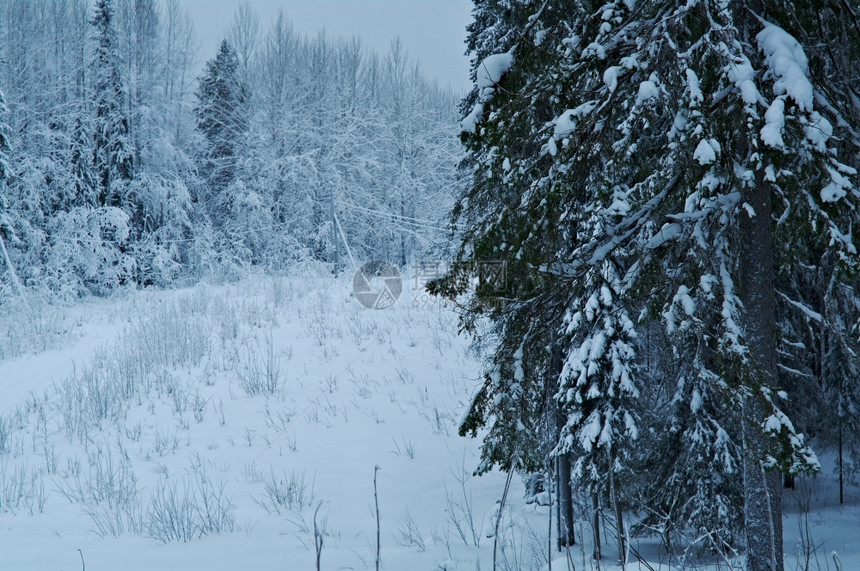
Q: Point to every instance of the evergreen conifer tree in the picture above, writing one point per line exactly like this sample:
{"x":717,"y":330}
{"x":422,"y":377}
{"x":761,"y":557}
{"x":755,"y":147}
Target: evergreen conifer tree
{"x":664,"y":162}
{"x":222,"y":119}
{"x":81,"y":165}
{"x":113,"y":155}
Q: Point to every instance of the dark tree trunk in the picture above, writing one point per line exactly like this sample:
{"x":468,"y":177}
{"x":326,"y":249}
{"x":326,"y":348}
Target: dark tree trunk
{"x":566,"y":536}
{"x":595,"y":503}
{"x":762,"y":489}
{"x":841,"y":466}
{"x":619,"y":514}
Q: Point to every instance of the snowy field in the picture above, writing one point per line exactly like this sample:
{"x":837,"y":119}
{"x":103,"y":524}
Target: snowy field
{"x":258,"y":425}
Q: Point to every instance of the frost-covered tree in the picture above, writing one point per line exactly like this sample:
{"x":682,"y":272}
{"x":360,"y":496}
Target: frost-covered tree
{"x":5,"y":168}
{"x":123,"y":175}
{"x":345,"y":149}
{"x":818,"y":341}
{"x":221,"y":118}
{"x":139,"y":24}
{"x":655,"y":163}
{"x":5,"y":173}
{"x":83,"y":181}
{"x":113,"y":155}
{"x":244,"y":36}
{"x":177,"y":49}
{"x":840,"y":379}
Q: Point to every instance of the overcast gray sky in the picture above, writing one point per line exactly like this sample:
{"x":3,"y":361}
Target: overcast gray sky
{"x":433,"y":31}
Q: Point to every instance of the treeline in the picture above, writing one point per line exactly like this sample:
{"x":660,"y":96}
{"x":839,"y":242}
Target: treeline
{"x":125,"y":164}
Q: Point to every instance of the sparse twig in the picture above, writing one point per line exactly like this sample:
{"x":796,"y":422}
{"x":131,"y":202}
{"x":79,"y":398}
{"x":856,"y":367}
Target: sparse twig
{"x":501,"y":513}
{"x":836,"y":561}
{"x":318,"y":536}
{"x":376,"y":502}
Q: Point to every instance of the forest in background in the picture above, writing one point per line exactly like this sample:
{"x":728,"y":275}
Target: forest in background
{"x":128,"y":164}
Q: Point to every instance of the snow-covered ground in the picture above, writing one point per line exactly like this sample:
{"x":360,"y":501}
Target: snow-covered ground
{"x":257,"y":426}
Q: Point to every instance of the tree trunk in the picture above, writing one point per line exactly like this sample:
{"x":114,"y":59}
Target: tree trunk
{"x":20,"y":288}
{"x":566,"y":536}
{"x":334,"y":238}
{"x":841,"y":460}
{"x":402,"y":233}
{"x":548,"y":486}
{"x":595,"y":502}
{"x":762,"y":490}
{"x":619,"y":515}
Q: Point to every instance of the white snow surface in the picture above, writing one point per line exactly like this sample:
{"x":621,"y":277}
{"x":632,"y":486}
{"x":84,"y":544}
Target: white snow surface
{"x":742,"y":75}
{"x":648,"y":90}
{"x":706,"y":151}
{"x":837,"y":188}
{"x":774,"y":119}
{"x":610,"y":77}
{"x":353,"y":389}
{"x":492,"y":68}
{"x":788,"y":65}
{"x":489,"y":72}
{"x":566,"y":123}
{"x":669,"y":231}
{"x":470,"y":122}
{"x":818,"y":131}
{"x":693,"y":88}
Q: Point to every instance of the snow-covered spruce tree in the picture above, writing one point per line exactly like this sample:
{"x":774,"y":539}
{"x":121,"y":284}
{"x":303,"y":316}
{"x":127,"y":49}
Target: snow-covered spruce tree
{"x":5,"y":173}
{"x":138,"y":26}
{"x":818,"y":328}
{"x":527,"y":316}
{"x":222,"y":119}
{"x":655,"y":162}
{"x":108,"y":229}
{"x":818,"y":355}
{"x":83,"y":182}
{"x":113,"y":155}
{"x":840,"y":379}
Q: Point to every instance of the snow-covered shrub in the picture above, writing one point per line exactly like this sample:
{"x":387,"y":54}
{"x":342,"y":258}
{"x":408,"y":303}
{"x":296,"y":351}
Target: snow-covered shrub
{"x":4,"y":434}
{"x":89,"y":397}
{"x":259,"y":371}
{"x":32,"y":323}
{"x":190,"y":510}
{"x":88,"y":251}
{"x":22,"y":488}
{"x":165,"y":226}
{"x":286,"y":492}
